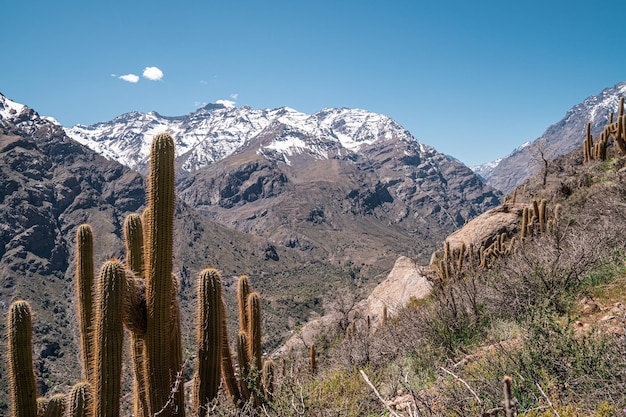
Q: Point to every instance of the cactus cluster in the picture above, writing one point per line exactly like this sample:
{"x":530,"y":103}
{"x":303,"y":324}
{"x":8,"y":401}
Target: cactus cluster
{"x":615,"y":129}
{"x":255,"y":383}
{"x":142,"y":296}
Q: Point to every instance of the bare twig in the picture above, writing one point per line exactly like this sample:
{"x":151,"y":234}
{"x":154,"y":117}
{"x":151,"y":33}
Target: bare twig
{"x":556,"y":413}
{"x":464,"y":383}
{"x":368,"y":382}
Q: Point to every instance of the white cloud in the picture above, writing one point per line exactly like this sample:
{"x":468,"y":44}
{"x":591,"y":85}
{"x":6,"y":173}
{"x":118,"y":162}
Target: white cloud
{"x":226,"y":103}
{"x":152,"y":73}
{"x":131,"y":78}
{"x":204,"y":82}
{"x":234,"y":96}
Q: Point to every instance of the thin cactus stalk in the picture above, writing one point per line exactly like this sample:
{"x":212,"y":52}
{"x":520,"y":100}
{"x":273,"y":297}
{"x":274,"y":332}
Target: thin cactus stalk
{"x":509,"y":409}
{"x":133,"y":239}
{"x":176,"y":356}
{"x":255,"y":352}
{"x":109,"y":339}
{"x":84,"y":296}
{"x":244,"y":365}
{"x":312,"y":359}
{"x":21,"y":375}
{"x":228,"y":369}
{"x":209,"y":326}
{"x":42,"y":403}
{"x":158,"y":225}
{"x":254,"y":330}
{"x":56,"y":406}
{"x":80,"y":401}
{"x":542,"y":215}
{"x":243,"y":290}
{"x":135,"y":312}
{"x":269,"y":375}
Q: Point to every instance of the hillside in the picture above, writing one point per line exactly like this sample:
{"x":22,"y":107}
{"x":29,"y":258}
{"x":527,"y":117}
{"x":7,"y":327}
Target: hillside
{"x":548,"y":312}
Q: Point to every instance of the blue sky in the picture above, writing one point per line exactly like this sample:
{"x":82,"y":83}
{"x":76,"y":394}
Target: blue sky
{"x":474,"y":79}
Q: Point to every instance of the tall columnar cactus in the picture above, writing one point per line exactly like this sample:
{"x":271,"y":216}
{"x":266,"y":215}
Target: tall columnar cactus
{"x":84,"y":296}
{"x":109,"y":339}
{"x":21,"y":375}
{"x":243,"y":290}
{"x":133,"y":239}
{"x":135,"y":312}
{"x":209,"y":329}
{"x":80,"y":401}
{"x":158,"y":254}
{"x":312,"y":359}
{"x":269,"y":376}
{"x":244,"y":365}
{"x":56,"y":406}
{"x":176,"y":356}
{"x":255,"y":351}
{"x":228,"y":369}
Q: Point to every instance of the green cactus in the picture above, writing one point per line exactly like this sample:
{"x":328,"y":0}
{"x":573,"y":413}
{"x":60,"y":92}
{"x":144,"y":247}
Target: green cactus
{"x":176,"y":355}
{"x":312,"y":359}
{"x":158,"y":222}
{"x":243,"y":290}
{"x":42,"y":403}
{"x":269,"y":375}
{"x":84,"y":295}
{"x":209,"y":329}
{"x":109,"y":339}
{"x":21,"y":375}
{"x":255,"y":351}
{"x":244,"y":365}
{"x":135,"y":316}
{"x":228,"y":369}
{"x":56,"y":406}
{"x":80,"y":401}
{"x":133,"y":239}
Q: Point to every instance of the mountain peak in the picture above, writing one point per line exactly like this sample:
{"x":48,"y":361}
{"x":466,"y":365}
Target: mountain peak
{"x":219,"y":129}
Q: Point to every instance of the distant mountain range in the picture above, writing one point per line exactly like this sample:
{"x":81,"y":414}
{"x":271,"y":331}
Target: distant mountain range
{"x":562,"y":137}
{"x":321,"y":182}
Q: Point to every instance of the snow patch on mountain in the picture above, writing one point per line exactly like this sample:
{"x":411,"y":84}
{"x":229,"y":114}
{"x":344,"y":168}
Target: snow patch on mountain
{"x":9,"y":109}
{"x":217,"y":130}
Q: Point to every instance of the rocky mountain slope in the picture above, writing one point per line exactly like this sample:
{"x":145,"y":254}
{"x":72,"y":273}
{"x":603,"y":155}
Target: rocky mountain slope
{"x":559,"y":139}
{"x":50,"y":184}
{"x":348,"y":184}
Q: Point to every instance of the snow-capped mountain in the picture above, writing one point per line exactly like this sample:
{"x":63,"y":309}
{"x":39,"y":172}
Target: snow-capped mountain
{"x":216,"y":131}
{"x":560,"y":138}
{"x":23,"y":117}
{"x":305,"y":180}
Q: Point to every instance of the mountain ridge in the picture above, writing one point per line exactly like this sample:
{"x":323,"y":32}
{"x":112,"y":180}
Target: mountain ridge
{"x":558,"y":139}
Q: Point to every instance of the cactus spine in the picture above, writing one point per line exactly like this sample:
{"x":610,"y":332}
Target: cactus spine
{"x":21,"y":375}
{"x":84,"y":295}
{"x":109,"y":339}
{"x":80,"y":400}
{"x":209,"y":329}
{"x":158,"y":253}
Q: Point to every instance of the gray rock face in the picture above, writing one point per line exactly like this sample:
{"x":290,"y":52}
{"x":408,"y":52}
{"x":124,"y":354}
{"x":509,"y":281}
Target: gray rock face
{"x":392,"y":195}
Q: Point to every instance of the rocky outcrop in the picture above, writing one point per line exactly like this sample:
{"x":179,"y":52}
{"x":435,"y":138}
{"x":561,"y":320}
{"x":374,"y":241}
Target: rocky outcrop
{"x":406,"y":281}
{"x":486,"y":228}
